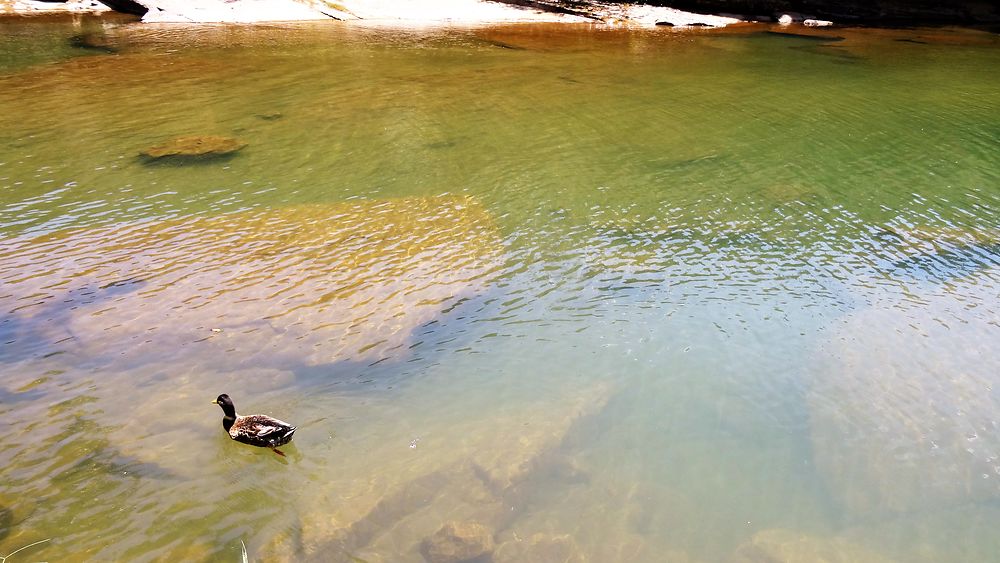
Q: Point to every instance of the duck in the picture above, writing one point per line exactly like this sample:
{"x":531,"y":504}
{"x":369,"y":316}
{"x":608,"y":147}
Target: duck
{"x":254,"y":429}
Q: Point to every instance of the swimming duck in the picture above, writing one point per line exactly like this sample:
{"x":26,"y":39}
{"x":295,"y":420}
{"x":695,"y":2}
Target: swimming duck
{"x":254,"y":429}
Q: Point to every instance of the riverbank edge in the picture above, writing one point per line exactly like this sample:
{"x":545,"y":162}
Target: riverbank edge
{"x":429,"y":13}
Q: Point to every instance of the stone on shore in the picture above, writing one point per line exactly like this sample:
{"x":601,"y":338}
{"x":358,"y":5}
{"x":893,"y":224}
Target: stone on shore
{"x":33,"y":7}
{"x":228,"y":11}
{"x":428,"y":11}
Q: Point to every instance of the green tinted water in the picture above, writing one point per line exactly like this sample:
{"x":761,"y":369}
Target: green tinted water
{"x":617,"y":295}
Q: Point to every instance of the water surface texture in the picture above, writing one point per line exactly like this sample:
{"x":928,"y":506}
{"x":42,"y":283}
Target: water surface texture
{"x":655,"y":295}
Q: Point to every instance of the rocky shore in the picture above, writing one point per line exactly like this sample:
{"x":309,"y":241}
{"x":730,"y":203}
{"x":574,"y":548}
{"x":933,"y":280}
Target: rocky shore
{"x":461,"y":12}
{"x":704,"y":13}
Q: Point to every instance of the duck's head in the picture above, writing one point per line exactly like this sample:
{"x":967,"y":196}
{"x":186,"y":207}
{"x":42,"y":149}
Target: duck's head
{"x":227,"y":405}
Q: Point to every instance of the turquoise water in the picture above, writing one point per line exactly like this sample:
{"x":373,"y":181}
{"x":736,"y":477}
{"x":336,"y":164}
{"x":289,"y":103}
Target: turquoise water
{"x":616,"y":295}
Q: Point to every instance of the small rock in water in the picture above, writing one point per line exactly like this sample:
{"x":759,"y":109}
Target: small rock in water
{"x":195,"y":146}
{"x":93,"y":42}
{"x":785,"y":19}
{"x":458,"y":542}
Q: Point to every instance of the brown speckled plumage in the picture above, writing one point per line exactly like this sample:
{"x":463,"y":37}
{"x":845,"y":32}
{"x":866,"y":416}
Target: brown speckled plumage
{"x":254,"y":429}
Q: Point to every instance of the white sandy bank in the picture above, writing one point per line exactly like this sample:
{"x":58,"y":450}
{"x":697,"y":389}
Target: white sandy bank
{"x":396,"y":12}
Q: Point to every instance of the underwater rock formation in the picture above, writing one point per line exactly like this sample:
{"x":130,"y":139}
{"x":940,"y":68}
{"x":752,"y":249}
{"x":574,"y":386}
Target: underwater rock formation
{"x":469,"y":466}
{"x":539,"y":548}
{"x":303,"y":285}
{"x":788,"y":546}
{"x":458,"y":542}
{"x":932,"y":536}
{"x":903,"y":410}
{"x":194,"y":146}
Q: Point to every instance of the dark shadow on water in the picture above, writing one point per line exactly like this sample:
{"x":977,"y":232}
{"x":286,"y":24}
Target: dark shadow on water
{"x":8,"y":398}
{"x":670,"y":166}
{"x":43,"y":332}
{"x":948,"y":264}
{"x":805,"y":37}
{"x":6,"y":521}
{"x":94,"y":42}
{"x":429,"y":344}
{"x":175,"y":161}
{"x":446,"y":144}
{"x":828,"y":50}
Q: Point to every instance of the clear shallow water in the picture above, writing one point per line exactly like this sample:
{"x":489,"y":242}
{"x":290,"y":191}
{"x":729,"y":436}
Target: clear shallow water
{"x":633,"y":296}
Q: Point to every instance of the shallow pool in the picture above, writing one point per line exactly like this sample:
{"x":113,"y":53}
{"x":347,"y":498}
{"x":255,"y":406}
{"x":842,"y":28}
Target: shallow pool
{"x":647,"y":295}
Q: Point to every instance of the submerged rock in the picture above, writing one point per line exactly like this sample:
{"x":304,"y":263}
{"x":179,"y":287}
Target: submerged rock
{"x":540,"y":548}
{"x":903,"y":410}
{"x":195,"y":146}
{"x":788,"y":546}
{"x":458,"y":542}
{"x":967,"y":533}
{"x":471,"y":466}
{"x":93,"y":41}
{"x":12,"y":513}
{"x":296,"y":286}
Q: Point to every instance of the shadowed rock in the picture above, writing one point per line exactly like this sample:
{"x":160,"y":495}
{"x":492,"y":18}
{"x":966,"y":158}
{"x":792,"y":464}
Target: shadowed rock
{"x":126,"y":6}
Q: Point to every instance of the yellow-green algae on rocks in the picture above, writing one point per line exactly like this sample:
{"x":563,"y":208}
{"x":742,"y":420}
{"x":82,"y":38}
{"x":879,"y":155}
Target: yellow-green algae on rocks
{"x":194,"y":146}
